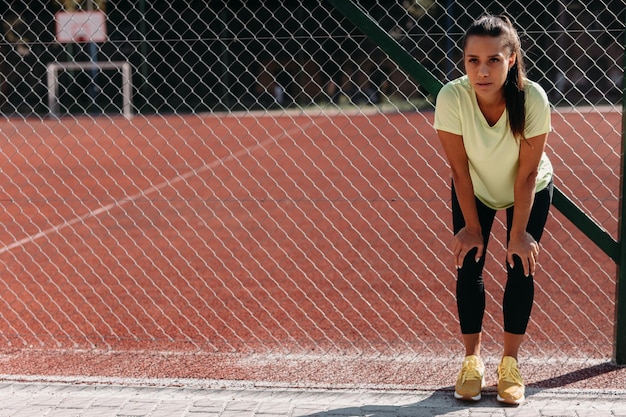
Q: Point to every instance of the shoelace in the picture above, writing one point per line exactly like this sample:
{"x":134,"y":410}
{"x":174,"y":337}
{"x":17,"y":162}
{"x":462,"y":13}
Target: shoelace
{"x":510,"y":373}
{"x":468,"y":370}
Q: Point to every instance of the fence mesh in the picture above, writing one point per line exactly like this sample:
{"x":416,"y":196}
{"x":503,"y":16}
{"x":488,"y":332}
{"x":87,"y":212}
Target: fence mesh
{"x":279,"y":186}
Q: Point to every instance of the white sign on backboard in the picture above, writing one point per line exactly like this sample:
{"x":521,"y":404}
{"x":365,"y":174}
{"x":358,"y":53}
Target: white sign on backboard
{"x":81,"y":27}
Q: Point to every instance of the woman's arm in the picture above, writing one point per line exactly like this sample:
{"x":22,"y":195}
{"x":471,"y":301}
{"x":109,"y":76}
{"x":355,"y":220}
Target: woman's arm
{"x":522,"y":243}
{"x":470,"y":236}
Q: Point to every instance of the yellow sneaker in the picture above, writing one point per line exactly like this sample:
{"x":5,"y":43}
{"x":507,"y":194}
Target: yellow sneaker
{"x":470,"y":380}
{"x":510,"y":383}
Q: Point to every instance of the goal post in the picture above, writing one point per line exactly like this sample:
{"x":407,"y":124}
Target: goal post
{"x":54,"y":68}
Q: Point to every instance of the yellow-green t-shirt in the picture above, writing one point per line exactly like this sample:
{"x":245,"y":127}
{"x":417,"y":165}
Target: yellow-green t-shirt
{"x":492,"y":151}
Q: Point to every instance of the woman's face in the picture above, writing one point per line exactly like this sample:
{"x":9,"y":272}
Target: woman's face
{"x":487,"y":62}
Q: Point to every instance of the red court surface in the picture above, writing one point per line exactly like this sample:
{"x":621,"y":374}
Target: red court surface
{"x":293,"y":247}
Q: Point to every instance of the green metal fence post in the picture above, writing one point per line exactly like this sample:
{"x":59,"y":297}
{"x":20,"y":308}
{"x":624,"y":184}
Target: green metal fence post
{"x":620,"y":291}
{"x":389,"y":45}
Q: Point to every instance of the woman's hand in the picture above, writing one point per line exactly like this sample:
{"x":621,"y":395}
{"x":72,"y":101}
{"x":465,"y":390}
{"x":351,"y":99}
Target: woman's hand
{"x":464,"y":241}
{"x":527,"y":249}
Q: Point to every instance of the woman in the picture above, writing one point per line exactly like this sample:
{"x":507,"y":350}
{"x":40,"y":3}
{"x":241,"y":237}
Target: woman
{"x":493,"y":124}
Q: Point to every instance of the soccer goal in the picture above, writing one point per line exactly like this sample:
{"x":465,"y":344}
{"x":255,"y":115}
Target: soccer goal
{"x":55,"y":68}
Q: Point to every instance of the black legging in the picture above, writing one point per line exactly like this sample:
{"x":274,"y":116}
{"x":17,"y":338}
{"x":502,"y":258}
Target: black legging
{"x":519,"y":291}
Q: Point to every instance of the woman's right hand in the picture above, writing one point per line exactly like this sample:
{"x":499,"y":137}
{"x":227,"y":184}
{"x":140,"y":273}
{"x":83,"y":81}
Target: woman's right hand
{"x":464,"y":241}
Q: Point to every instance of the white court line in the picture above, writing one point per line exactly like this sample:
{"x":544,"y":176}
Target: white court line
{"x":150,"y":190}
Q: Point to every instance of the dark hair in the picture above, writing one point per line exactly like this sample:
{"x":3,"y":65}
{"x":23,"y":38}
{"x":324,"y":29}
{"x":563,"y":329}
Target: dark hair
{"x":501,"y":27}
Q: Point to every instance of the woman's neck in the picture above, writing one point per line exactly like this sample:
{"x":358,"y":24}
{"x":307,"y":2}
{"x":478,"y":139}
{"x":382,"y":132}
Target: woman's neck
{"x":491,"y":108}
{"x":493,"y":101}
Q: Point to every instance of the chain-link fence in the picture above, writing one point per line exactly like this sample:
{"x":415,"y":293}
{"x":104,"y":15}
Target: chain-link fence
{"x":279,"y":186}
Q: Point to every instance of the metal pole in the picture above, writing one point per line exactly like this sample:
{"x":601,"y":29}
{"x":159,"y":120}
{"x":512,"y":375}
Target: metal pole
{"x":127,"y":90}
{"x":93,"y":89}
{"x":620,"y":291}
{"x":53,"y":90}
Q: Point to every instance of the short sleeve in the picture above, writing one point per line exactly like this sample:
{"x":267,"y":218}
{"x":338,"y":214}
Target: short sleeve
{"x":537,"y":111}
{"x":447,"y":117}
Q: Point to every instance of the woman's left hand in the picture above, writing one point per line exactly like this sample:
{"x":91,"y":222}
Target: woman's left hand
{"x":527,"y":249}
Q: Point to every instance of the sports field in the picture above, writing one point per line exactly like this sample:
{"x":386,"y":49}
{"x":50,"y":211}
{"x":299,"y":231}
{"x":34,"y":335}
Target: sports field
{"x":208,"y":238}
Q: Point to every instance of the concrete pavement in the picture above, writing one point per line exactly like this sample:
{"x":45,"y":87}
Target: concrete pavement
{"x":222,"y":399}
